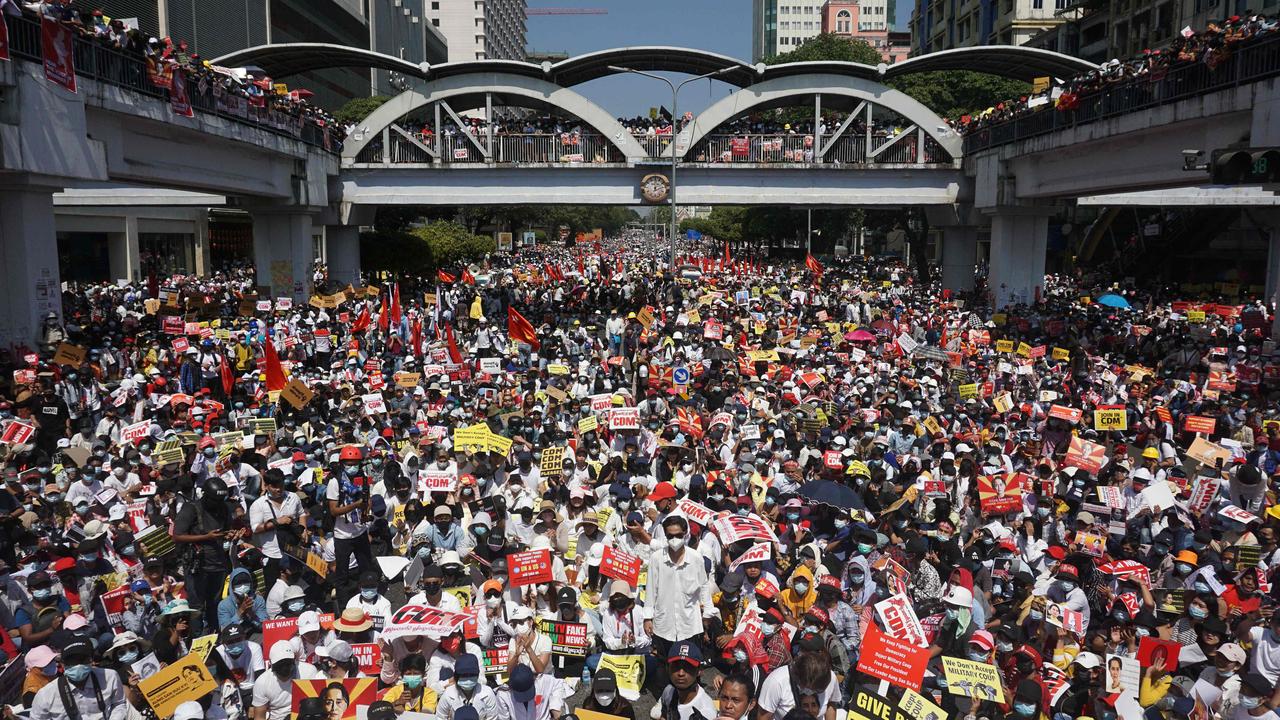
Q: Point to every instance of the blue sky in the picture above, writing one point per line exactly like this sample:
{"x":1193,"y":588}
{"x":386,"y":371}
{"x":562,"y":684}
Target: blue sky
{"x":722,"y":26}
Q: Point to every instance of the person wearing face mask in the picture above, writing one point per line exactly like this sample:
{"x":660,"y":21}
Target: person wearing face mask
{"x":467,"y":689}
{"x":273,"y":691}
{"x":605,"y":698}
{"x":1258,"y":699}
{"x":243,"y":605}
{"x":452,"y":648}
{"x":41,"y":664}
{"x":276,"y":517}
{"x":371,"y":601}
{"x":679,"y":588}
{"x":83,"y":691}
{"x":1218,"y":686}
{"x":798,"y":596}
{"x":1067,"y":591}
{"x":241,"y":659}
{"x":204,"y":525}
{"x":529,"y":646}
{"x":37,"y":623}
{"x":1028,"y":700}
{"x":290,"y":600}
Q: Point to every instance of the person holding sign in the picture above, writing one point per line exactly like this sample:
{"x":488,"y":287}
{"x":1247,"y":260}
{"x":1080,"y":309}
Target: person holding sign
{"x":348,"y":495}
{"x":83,"y":691}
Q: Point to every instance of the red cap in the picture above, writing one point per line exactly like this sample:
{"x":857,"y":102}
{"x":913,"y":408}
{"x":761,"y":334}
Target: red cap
{"x":207,"y":441}
{"x":662,"y":491}
{"x":829,"y":581}
{"x":64,"y":564}
{"x":388,"y":432}
{"x":299,"y":456}
{"x":819,"y":613}
{"x":1057,"y":552}
{"x":1068,"y":572}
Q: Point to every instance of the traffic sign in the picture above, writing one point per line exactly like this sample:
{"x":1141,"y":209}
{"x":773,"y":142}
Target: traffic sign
{"x":680,"y":376}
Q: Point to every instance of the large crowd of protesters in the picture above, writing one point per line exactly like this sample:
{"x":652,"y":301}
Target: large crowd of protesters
{"x":572,"y":480}
{"x":234,"y":90}
{"x":1210,"y":47}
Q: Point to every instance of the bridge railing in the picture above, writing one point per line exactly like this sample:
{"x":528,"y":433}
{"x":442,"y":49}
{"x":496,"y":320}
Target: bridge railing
{"x":507,"y":149}
{"x":1248,"y":63}
{"x":129,"y":71}
{"x":799,"y":149}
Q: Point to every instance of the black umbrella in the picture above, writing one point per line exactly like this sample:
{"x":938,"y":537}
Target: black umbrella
{"x":718,"y":352}
{"x":829,"y":492}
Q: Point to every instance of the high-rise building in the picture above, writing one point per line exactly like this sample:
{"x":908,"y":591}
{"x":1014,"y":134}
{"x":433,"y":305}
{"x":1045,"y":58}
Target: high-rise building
{"x":945,"y":24}
{"x":1098,"y":32}
{"x":780,"y":26}
{"x":216,"y":27}
{"x":480,"y":29}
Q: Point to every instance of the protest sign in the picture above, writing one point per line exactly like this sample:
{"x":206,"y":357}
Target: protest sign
{"x":624,"y":419}
{"x":1154,"y":651}
{"x":1000,"y":494}
{"x":1067,"y":414}
{"x":340,"y":703}
{"x":297,"y":394}
{"x":892,"y":660}
{"x":973,"y":679}
{"x":1085,"y":455}
{"x":282,"y":629}
{"x":529,"y":567}
{"x":900,"y":620}
{"x":422,"y":620}
{"x":1202,"y":494}
{"x":1060,"y":615}
{"x":1110,"y":419}
{"x":204,"y":645}
{"x":620,"y":564}
{"x":567,"y":638}
{"x":113,"y":604}
{"x":756,"y":553}
{"x":186,"y":679}
{"x":552,"y":464}
{"x":1200,"y":424}
{"x":373,"y":404}
{"x":369,"y":655}
{"x":1207,"y":453}
{"x":919,"y":707}
{"x":628,"y":670}
{"x":17,"y":432}
{"x":695,"y":512}
{"x":733,"y":528}
{"x":430,"y":481}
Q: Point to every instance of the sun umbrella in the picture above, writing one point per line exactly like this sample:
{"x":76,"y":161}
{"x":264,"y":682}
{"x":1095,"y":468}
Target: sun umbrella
{"x":717,"y":352}
{"x":1114,"y":301}
{"x":860,"y":336}
{"x":829,"y":492}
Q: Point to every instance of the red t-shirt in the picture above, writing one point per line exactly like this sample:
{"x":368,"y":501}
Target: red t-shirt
{"x":1233,"y":600}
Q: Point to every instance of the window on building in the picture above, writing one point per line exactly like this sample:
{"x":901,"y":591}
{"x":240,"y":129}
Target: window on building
{"x":1037,"y":4}
{"x":1059,"y":4}
{"x":435,"y":21}
{"x":435,"y":5}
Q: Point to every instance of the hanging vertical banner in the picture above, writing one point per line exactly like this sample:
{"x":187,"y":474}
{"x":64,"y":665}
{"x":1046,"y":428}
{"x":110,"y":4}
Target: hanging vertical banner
{"x":179,"y":99}
{"x":59,"y":59}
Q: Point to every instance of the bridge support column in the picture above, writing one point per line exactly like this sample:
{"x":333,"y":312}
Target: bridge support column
{"x":342,"y":246}
{"x":123,"y":251}
{"x":32,"y":287}
{"x":1019,"y":239}
{"x":284,"y":252}
{"x":959,"y":254}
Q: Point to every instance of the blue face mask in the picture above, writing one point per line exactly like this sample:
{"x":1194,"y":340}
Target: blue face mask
{"x":128,"y":550}
{"x":1036,"y":615}
{"x":369,"y":593}
{"x":1202,"y":587}
{"x":295,"y":606}
{"x":42,"y":593}
{"x":77,"y":673}
{"x":242,"y":590}
{"x":1197,"y":613}
{"x":424,"y":552}
{"x":857,"y":579}
{"x":467,"y":684}
{"x":128,"y":656}
{"x":792,"y":517}
{"x":977,"y":656}
{"x":1066,"y":586}
{"x":236,"y":650}
{"x":413,"y":682}
{"x":1024,"y":709}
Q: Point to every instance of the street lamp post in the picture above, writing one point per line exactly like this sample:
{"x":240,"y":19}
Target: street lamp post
{"x":675,"y":119}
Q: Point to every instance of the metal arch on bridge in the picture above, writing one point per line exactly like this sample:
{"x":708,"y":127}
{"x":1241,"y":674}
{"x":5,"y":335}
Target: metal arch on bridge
{"x":773,"y":92}
{"x":1021,"y":63}
{"x":473,"y":84}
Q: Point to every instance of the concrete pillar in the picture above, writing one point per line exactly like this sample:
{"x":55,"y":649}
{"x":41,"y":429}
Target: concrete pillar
{"x":342,"y":247}
{"x":959,"y":252}
{"x":123,"y":252}
{"x":204,"y":262}
{"x":32,"y":286}
{"x":1018,"y":244}
{"x":283,"y":252}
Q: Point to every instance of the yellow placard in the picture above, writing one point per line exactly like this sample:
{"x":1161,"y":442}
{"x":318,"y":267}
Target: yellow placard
{"x":973,"y":679}
{"x":297,"y":394}
{"x":645,"y":317}
{"x":1061,"y":354}
{"x":499,"y":445}
{"x":918,"y":706}
{"x":585,"y":714}
{"x":557,"y":369}
{"x":187,"y":679}
{"x":317,"y":564}
{"x":474,"y":438}
{"x":588,"y":424}
{"x":1003,"y":402}
{"x":627,"y":669}
{"x":931,"y":425}
{"x":408,"y":379}
{"x":968,"y":390}
{"x":1024,"y":349}
{"x":1004,"y":346}
{"x":203,"y":645}
{"x":762,"y":355}
{"x":1195,"y":316}
{"x":999,"y":319}
{"x":1110,"y":420}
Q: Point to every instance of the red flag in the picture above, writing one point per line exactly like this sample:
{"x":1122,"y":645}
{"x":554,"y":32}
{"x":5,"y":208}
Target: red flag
{"x":454,"y":355}
{"x":726,"y":254}
{"x":520,"y":329}
{"x":416,"y":336}
{"x":383,"y":315}
{"x":228,"y":380}
{"x":467,"y":277}
{"x":445,"y":277}
{"x":812,"y":263}
{"x":362,"y":321}
{"x":395,"y":305}
{"x":274,"y":372}
{"x":619,"y":266}
{"x":582,"y":269}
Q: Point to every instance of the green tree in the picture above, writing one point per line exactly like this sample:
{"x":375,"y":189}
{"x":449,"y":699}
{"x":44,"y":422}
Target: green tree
{"x":952,"y":93}
{"x":829,"y":47}
{"x":357,"y":109}
{"x":423,"y":249}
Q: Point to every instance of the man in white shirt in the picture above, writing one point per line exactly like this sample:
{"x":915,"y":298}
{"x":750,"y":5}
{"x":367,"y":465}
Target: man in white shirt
{"x":348,"y":501}
{"x":97,"y":693}
{"x":532,"y":696}
{"x":275,"y":509}
{"x":679,"y":589}
{"x":273,"y":692}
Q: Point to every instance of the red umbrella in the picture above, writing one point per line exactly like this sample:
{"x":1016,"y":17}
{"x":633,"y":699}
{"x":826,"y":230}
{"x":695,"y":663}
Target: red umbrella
{"x":859,"y":336}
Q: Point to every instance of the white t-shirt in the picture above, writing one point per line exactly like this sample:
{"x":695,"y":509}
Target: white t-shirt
{"x":248,"y":666}
{"x":277,"y":695}
{"x":701,"y":703}
{"x":541,"y":646}
{"x":776,"y":696}
{"x":347,"y":525}
{"x":1265,"y":658}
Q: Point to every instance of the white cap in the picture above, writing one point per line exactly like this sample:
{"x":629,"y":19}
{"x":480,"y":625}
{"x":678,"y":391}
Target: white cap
{"x":948,"y":455}
{"x":308,"y":622}
{"x":963,"y":448}
{"x":521,"y":612}
{"x":1088,"y":660}
{"x":282,"y":651}
{"x":189,"y":710}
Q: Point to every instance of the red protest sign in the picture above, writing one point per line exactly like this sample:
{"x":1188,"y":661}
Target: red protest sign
{"x":179,"y":99}
{"x":1069,"y":414}
{"x":1085,"y":455}
{"x":892,"y":660}
{"x":620,"y":564}
{"x":733,"y":528}
{"x":17,"y":432}
{"x":530,"y":567}
{"x":172,"y":325}
{"x":1002,"y":493}
{"x":1200,"y":424}
{"x":766,"y":588}
{"x":283,"y":629}
{"x":370,"y":657}
{"x":180,"y":344}
{"x":113,"y":604}
{"x":1154,"y":651}
{"x":696,"y":512}
{"x":56,"y":49}
{"x":423,"y":620}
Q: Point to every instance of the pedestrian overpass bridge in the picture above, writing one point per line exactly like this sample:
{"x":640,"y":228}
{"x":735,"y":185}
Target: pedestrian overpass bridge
{"x":117,"y":143}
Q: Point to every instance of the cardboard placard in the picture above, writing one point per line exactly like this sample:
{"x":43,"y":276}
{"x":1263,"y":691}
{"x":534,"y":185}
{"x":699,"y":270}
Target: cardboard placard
{"x":69,"y":354}
{"x":620,"y":564}
{"x":297,"y":394}
{"x":892,"y":660}
{"x":186,"y":679}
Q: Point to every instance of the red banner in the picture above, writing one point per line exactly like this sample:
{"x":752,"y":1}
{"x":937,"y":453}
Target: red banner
{"x":893,"y":660}
{"x":1085,"y":455}
{"x":530,"y":567}
{"x":619,"y":564}
{"x":1001,"y":494}
{"x":17,"y":432}
{"x":1069,"y":414}
{"x":1201,"y":424}
{"x":370,"y":657}
{"x":282,"y":629}
{"x":56,"y":45}
{"x":179,"y":99}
